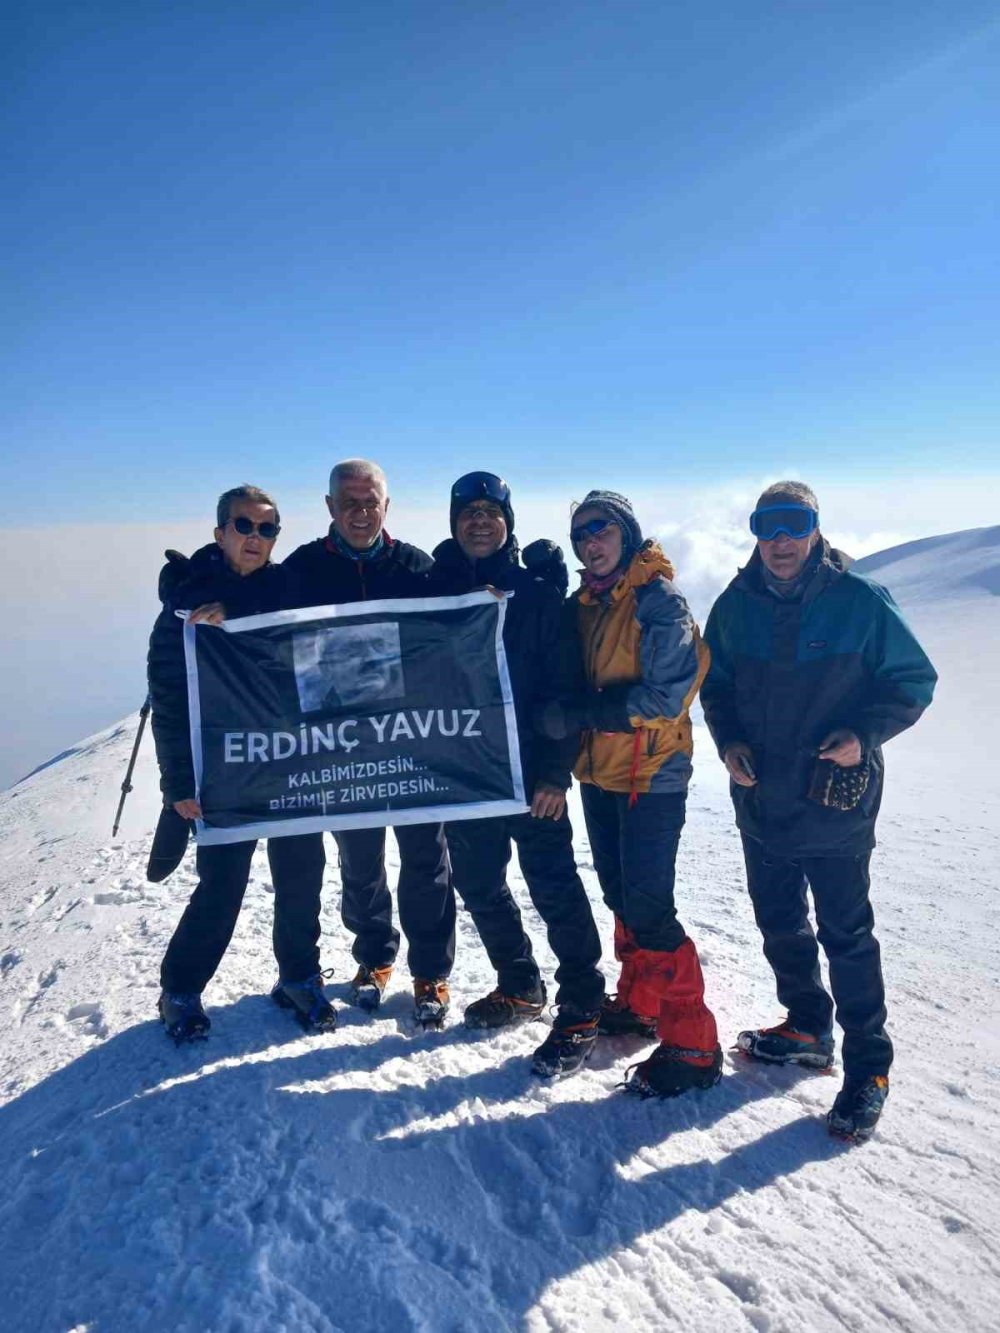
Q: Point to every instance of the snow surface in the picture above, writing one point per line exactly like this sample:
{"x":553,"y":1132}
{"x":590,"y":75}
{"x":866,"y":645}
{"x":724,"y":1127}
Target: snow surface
{"x":376,"y":1178}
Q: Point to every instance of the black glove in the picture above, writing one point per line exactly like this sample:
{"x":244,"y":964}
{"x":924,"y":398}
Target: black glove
{"x":601,"y":710}
{"x":839,"y":787}
{"x":607,"y":709}
{"x":169,"y":844}
{"x":545,"y":560}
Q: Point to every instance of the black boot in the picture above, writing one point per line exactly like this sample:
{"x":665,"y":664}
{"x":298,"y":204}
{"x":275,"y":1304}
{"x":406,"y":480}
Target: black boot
{"x":671,"y":1070}
{"x":307,"y":999}
{"x":858,"y":1106}
{"x":568,"y":1046}
{"x":498,"y":1010}
{"x":616,"y":1019}
{"x":183,"y":1017}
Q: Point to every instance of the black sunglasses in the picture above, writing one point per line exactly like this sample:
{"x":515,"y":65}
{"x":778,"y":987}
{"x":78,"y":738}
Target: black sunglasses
{"x":244,"y":526}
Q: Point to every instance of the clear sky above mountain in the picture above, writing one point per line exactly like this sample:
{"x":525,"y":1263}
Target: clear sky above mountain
{"x":640,"y":240}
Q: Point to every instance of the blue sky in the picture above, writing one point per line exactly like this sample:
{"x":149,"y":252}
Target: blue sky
{"x":624,"y":241}
{"x":678,"y":248}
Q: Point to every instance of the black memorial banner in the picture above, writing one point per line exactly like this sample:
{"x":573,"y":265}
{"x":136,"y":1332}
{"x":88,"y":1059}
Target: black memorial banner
{"x":338,"y":717}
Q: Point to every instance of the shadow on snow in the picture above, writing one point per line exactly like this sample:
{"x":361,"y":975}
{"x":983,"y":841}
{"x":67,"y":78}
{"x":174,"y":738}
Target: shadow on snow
{"x":222,"y":1183}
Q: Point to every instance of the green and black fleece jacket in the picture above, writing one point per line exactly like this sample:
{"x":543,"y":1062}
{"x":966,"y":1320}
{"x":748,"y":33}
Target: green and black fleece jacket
{"x":785,"y":673}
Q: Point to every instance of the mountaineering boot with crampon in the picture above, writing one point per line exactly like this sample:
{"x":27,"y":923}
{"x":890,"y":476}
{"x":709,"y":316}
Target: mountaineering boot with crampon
{"x":307,"y":1000}
{"x":857,"y":1108}
{"x":430,"y":1001}
{"x":786,"y":1045}
{"x":183,"y":1017}
{"x":498,"y":1010}
{"x":671,"y":1070}
{"x":689,"y":1055}
{"x":618,"y":1019}
{"x":367,"y":988}
{"x":568,"y":1046}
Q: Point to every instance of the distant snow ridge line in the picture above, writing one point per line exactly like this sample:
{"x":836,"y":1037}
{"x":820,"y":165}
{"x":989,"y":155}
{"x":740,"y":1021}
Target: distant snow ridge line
{"x":954,"y":565}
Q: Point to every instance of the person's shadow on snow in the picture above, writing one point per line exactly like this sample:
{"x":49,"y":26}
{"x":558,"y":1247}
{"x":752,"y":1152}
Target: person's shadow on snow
{"x":138,"y":1165}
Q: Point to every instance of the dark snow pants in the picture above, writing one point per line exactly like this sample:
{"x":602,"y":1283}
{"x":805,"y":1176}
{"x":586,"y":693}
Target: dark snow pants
{"x":204,"y":931}
{"x":845,"y":923}
{"x":480,"y":854}
{"x":635,"y":849}
{"x":426,"y":898}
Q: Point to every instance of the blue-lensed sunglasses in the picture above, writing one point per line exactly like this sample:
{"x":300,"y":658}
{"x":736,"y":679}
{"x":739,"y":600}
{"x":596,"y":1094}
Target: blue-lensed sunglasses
{"x":793,"y":520}
{"x":592,"y":528}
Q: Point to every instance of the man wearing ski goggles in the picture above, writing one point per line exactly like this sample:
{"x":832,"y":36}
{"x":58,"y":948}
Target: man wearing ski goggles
{"x":813,"y":670}
{"x":480,"y":486}
{"x":794,"y":520}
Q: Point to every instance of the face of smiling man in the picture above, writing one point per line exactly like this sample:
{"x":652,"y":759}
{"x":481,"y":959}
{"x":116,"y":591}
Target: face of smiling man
{"x":480,"y":529}
{"x":358,"y":509}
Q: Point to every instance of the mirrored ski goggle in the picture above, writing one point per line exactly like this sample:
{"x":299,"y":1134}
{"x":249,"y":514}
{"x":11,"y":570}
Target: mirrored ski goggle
{"x":592,"y":528}
{"x":481,"y":486}
{"x":245,"y":526}
{"x":794,"y":520}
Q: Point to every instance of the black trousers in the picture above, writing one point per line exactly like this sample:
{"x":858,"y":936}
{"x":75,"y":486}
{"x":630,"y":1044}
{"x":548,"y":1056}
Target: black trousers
{"x":635,"y":850}
{"x":426,"y":898}
{"x":845,"y":922}
{"x":480,"y":853}
{"x":204,"y":931}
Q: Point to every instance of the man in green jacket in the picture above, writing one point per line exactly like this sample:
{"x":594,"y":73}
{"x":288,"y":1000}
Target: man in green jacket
{"x":813,"y":669}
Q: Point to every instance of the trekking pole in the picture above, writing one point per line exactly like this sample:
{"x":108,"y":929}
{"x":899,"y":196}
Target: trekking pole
{"x":127,"y":784}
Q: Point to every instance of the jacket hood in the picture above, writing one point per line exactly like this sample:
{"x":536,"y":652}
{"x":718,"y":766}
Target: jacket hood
{"x":180,"y":569}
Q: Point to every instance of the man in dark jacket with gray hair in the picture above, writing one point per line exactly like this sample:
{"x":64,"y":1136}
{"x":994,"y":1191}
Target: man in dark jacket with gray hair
{"x":813,"y":669}
{"x":358,"y":561}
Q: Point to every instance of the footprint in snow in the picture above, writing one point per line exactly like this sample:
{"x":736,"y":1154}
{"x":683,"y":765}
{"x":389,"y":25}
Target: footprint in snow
{"x":90,"y":1018}
{"x":9,"y":961}
{"x":40,"y":899}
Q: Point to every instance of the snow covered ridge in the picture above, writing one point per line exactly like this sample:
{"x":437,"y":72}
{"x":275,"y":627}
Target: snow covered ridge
{"x":267,"y":1180}
{"x":955,"y":566}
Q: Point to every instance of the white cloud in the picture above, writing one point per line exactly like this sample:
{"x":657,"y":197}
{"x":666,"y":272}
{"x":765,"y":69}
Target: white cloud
{"x":79,"y":601}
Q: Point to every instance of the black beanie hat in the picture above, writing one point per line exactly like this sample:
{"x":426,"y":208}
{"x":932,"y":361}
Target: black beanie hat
{"x":620,"y":509}
{"x":481,"y":486}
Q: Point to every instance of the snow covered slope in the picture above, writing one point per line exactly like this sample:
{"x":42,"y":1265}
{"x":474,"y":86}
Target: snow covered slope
{"x":376,"y":1178}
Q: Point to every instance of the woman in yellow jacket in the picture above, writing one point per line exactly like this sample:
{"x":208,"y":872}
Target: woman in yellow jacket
{"x":637,"y":660}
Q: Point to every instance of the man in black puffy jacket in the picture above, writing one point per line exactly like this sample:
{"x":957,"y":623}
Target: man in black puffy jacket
{"x":483,"y":552}
{"x":234,"y":573}
{"x":358,"y":561}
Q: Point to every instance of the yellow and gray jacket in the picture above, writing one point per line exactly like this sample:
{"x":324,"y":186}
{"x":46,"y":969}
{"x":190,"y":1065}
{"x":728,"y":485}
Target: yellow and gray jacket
{"x":639,"y":637}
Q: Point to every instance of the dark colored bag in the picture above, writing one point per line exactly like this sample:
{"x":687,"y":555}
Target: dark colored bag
{"x":841,"y":788}
{"x":169,"y":844}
